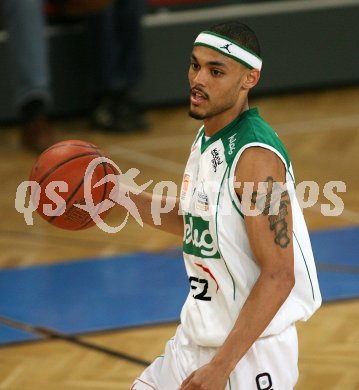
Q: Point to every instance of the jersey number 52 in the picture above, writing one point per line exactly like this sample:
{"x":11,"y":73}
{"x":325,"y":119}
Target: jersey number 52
{"x":201,"y":285}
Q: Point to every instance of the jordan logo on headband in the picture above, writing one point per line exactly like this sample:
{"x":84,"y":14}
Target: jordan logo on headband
{"x":226,"y":47}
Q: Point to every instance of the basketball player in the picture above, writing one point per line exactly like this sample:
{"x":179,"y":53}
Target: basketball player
{"x":245,"y":243}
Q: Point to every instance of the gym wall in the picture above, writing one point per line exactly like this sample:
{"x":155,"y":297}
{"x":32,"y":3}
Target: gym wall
{"x":306,"y":44}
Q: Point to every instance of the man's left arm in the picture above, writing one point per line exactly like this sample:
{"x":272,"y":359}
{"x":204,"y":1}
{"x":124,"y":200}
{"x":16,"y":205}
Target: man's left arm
{"x":270,"y":238}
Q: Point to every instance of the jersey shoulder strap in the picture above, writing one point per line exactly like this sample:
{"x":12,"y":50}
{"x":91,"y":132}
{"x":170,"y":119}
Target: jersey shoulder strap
{"x":252,"y":130}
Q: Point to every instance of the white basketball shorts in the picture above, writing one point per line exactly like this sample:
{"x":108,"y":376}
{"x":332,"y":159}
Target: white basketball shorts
{"x":270,"y":364}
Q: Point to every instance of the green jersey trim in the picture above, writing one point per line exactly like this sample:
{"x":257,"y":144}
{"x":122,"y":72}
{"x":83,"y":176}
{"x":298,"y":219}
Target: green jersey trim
{"x":290,"y":173}
{"x":219,"y":195}
{"x":247,"y":128}
{"x":199,"y":135}
{"x":219,"y":250}
{"x":253,"y":130}
{"x":306,"y":266}
{"x":233,"y":201}
{"x":221,"y":133}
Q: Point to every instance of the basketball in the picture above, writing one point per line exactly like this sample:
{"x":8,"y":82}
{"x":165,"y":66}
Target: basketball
{"x":61,"y":172}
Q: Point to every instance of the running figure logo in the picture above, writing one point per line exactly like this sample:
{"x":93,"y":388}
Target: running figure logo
{"x":226,"y":47}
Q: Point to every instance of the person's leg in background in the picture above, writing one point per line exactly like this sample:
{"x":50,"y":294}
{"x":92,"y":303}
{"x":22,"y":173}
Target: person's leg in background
{"x":115,"y":40}
{"x":28,"y":49}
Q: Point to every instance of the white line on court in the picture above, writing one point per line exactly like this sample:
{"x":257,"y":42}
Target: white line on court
{"x":163,"y":142}
{"x":300,"y":127}
{"x":347,"y":214}
{"x":319,"y":125}
{"x":10,"y":378}
{"x":146,"y":159}
{"x":350,"y":215}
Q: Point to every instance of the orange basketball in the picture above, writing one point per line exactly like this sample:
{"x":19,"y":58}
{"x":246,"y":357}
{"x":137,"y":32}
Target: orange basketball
{"x":60,"y":172}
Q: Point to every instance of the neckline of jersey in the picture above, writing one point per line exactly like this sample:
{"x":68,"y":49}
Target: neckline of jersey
{"x":205,"y":144}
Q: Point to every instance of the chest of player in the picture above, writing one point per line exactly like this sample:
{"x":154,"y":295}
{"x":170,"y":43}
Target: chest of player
{"x":203,"y":180}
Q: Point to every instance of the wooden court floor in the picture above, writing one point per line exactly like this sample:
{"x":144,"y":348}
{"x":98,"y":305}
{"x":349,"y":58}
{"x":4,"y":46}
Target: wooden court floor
{"x":321,"y":131}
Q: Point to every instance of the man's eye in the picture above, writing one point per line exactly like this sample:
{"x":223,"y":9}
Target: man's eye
{"x":194,"y":66}
{"x":216,"y":72}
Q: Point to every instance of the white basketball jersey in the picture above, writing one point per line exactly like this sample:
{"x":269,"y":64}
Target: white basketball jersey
{"x":218,"y":258}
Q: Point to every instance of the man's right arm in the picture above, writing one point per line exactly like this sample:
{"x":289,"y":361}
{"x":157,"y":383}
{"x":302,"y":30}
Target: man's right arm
{"x":152,"y":209}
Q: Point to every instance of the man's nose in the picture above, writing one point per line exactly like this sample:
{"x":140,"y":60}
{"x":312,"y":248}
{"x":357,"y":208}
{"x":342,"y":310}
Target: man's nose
{"x":200,"y":78}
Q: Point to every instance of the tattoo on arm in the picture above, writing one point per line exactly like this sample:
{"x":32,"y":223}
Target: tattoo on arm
{"x":275,"y":202}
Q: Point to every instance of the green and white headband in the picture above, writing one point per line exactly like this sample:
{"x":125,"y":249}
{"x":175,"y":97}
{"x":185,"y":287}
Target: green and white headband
{"x":229,"y":48}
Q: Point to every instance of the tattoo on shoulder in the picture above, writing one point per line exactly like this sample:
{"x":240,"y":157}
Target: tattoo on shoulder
{"x":274,"y":200}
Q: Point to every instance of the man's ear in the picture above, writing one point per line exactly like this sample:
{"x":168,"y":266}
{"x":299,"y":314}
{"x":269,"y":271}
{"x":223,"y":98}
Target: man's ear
{"x":251,"y":78}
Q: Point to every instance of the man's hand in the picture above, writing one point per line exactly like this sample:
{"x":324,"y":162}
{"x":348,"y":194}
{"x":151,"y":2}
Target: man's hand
{"x":208,"y":377}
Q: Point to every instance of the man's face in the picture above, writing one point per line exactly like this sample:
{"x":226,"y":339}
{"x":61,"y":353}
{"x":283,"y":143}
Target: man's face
{"x":215,"y":83}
